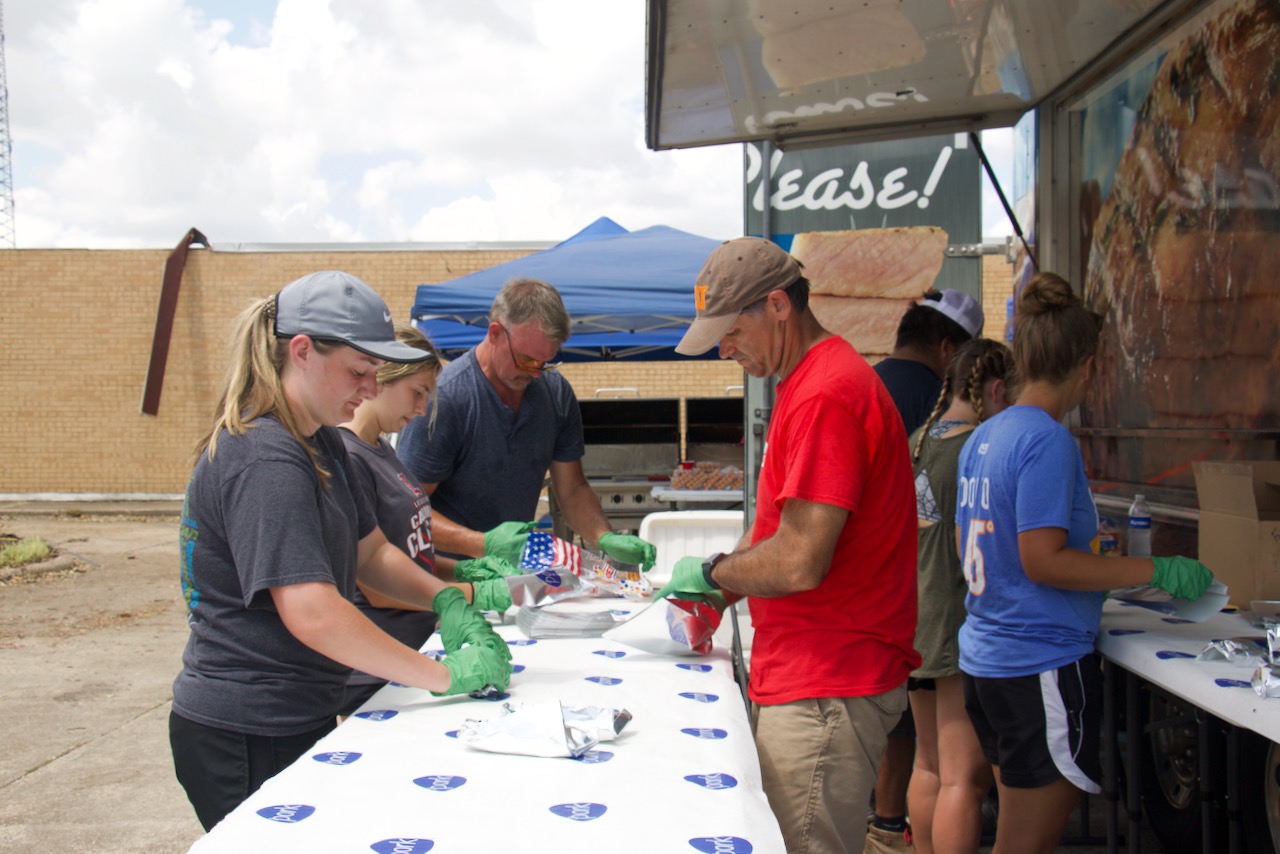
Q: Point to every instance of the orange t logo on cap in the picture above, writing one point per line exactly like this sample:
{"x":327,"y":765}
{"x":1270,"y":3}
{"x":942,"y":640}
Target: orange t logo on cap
{"x":700,"y":297}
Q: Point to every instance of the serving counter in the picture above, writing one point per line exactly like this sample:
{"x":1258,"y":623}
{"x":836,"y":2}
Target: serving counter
{"x":1162,"y":650}
{"x":1143,"y":646}
{"x":682,"y":776}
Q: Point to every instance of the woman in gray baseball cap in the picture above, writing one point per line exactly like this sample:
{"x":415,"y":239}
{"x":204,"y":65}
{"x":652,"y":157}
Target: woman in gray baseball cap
{"x":274,"y":537}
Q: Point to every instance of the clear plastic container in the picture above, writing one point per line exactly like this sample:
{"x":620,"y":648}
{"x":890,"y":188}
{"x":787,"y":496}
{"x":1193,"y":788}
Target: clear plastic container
{"x":1139,"y":542}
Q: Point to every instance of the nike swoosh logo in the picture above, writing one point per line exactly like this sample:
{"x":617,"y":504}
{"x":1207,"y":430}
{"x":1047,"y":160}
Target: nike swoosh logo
{"x":386,"y":316}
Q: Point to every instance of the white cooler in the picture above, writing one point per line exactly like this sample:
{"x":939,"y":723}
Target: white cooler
{"x":702,"y":533}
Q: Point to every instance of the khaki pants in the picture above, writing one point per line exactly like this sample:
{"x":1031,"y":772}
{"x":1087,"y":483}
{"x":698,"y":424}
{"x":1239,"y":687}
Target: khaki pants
{"x":819,"y":760}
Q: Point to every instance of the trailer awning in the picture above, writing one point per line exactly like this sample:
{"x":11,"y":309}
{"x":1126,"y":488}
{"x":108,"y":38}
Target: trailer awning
{"x":820,"y":72}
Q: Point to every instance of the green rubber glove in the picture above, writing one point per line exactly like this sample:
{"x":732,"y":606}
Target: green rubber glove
{"x":628,"y":549}
{"x":483,"y":569}
{"x":481,"y":633}
{"x":1184,"y":577}
{"x":507,"y":541}
{"x":486,"y":637}
{"x":473,"y":667}
{"x":457,"y":620}
{"x":715,"y":598}
{"x":686,"y":577}
{"x":492,"y":595}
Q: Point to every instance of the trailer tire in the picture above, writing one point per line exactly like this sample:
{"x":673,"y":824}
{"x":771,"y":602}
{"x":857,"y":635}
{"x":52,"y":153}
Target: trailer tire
{"x":1169,"y":768}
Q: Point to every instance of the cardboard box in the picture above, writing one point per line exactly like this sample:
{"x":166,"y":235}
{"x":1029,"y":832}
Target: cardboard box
{"x":1240,"y":526}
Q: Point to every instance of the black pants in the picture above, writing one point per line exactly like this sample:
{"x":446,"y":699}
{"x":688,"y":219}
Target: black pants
{"x":220,"y":768}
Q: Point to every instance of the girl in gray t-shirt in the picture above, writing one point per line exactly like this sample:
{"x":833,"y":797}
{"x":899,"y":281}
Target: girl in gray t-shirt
{"x":277,"y":532}
{"x":401,"y":506}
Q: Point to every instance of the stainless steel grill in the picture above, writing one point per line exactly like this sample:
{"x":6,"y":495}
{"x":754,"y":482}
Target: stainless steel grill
{"x":714,"y":430}
{"x":631,"y":445}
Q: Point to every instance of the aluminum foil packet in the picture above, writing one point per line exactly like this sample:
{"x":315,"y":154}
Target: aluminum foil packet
{"x":539,"y":621}
{"x":671,"y":626}
{"x":545,"y":587}
{"x":1266,"y":680}
{"x":692,"y":623}
{"x":1238,"y":652}
{"x":553,"y":558}
{"x":548,"y":729}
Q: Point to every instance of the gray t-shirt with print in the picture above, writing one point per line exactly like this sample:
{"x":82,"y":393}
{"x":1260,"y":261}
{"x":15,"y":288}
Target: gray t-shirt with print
{"x":256,"y":517}
{"x":490,"y":463}
{"x":403,"y":511}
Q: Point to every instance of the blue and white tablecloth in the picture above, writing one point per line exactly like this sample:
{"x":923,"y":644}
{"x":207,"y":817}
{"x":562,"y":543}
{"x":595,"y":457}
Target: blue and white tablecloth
{"x":683,"y":775}
{"x":1163,"y":650}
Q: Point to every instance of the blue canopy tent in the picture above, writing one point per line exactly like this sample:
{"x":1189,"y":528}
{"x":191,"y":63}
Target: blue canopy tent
{"x":629,"y":293}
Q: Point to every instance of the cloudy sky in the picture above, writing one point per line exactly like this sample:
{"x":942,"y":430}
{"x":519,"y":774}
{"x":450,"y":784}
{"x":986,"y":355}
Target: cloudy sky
{"x":303,"y":121}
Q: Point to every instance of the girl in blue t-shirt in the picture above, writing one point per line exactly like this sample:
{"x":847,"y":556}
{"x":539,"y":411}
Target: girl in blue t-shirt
{"x":1025,"y":521}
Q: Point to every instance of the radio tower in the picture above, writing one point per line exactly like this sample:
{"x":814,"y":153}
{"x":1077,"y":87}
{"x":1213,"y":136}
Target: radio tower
{"x":7,"y":238}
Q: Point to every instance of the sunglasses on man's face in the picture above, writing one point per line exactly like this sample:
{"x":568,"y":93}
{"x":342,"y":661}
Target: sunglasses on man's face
{"x":528,"y":364}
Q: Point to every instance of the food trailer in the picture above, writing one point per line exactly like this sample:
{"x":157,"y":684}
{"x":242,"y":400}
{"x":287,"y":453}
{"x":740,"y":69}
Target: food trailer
{"x":1146,"y":163}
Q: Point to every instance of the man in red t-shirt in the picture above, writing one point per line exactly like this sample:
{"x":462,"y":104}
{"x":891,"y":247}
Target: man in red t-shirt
{"x":829,"y":565}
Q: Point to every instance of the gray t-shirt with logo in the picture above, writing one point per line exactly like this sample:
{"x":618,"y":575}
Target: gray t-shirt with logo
{"x":490,"y":463}
{"x":256,"y":517}
{"x":403,"y":511}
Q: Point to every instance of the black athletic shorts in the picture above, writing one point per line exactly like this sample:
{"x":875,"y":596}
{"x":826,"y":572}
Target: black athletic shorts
{"x":1041,"y":728}
{"x":906,"y":726}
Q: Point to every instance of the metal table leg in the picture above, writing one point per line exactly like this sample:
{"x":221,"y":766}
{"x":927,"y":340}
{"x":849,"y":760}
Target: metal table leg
{"x":1110,"y":757}
{"x":1133,"y":783}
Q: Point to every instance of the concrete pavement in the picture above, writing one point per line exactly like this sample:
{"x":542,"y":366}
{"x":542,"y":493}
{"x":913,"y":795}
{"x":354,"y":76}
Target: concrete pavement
{"x":88,"y":657}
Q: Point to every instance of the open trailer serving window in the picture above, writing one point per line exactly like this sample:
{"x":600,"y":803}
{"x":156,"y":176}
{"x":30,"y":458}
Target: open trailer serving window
{"x":802,"y":72}
{"x":1176,"y":161}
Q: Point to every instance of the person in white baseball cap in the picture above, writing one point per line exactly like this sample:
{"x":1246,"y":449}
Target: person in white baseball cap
{"x":928,"y":336}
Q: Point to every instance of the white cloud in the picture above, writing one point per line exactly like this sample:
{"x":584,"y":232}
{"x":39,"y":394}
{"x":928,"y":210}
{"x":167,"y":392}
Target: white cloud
{"x":303,"y":120}
{"x":397,"y":120}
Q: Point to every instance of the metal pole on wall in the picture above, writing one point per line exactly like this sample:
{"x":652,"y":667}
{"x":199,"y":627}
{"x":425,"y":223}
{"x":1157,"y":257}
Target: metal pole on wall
{"x":757,"y":405}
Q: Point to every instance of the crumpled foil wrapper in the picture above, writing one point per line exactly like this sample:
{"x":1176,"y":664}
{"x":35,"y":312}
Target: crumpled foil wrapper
{"x":1238,"y":652}
{"x":549,"y":729}
{"x":1266,"y":681}
{"x":692,"y":623}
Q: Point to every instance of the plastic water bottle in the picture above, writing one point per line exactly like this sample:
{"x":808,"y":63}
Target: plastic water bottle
{"x":1139,"y":527}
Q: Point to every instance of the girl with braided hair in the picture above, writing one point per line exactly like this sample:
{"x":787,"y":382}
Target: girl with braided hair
{"x":951,"y":776}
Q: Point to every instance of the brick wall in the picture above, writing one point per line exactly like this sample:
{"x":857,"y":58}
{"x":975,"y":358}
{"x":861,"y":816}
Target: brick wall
{"x":77,"y":340}
{"x":77,"y":330}
{"x":997,"y":286}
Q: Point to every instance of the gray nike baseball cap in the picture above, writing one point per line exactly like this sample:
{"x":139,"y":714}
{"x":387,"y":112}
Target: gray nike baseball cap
{"x":336,"y":306}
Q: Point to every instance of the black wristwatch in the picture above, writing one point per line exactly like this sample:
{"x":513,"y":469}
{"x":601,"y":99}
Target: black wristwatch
{"x":708,"y":565}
